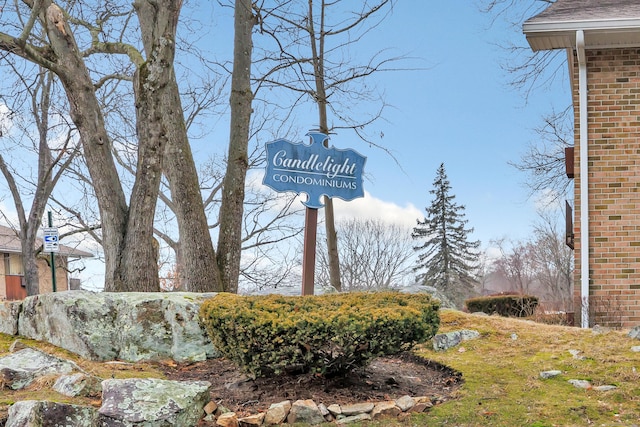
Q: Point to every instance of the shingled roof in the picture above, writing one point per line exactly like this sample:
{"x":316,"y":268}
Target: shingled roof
{"x":606,"y":24}
{"x":10,"y":243}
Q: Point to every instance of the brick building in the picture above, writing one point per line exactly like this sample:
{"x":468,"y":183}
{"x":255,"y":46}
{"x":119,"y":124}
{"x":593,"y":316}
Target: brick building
{"x":12,"y":286}
{"x":602,"y":40}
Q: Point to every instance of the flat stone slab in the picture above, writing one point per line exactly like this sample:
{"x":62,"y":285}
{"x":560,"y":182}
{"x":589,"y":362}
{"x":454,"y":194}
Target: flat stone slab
{"x":442,"y":342}
{"x":19,"y":369}
{"x":545,"y":375}
{"x":154,"y":402}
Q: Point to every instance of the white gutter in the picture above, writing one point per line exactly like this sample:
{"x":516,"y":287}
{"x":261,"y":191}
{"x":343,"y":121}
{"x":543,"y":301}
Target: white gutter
{"x":584,"y":179}
{"x":604,"y":25}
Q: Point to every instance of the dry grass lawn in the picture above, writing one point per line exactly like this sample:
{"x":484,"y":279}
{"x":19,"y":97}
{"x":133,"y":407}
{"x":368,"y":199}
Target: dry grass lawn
{"x":501,"y":372}
{"x":502,"y":375}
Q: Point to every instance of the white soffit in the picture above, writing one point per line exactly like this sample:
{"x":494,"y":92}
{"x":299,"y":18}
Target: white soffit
{"x":597,"y":33}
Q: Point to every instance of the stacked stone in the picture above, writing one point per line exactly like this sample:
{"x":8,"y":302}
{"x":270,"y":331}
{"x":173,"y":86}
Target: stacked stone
{"x":308,"y":412}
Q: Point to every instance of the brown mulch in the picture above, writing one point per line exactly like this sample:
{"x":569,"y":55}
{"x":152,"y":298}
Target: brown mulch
{"x":386,"y":378}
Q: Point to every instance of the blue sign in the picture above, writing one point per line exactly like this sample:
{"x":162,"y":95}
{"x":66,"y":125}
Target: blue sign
{"x":314,"y":169}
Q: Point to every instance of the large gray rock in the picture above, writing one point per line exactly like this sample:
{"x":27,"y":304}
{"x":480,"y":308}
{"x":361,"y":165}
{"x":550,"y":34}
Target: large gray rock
{"x":151,"y":402}
{"x":130,"y":326}
{"x":635,"y":332}
{"x":33,"y":413}
{"x":19,"y":369}
{"x":9,"y":311}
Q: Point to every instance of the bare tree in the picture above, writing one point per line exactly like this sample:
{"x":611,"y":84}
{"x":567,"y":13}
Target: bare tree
{"x":127,"y":228}
{"x":311,"y":61}
{"x":269,"y":221}
{"x":374,"y":255}
{"x":542,"y":265}
{"x":554,"y":262}
{"x":231,"y":207}
{"x":33,"y":99}
{"x":529,"y":72}
{"x":517,"y":264}
{"x":544,"y":161}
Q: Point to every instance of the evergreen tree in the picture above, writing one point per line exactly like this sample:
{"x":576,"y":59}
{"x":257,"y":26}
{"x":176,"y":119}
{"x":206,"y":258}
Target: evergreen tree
{"x":447,"y":258}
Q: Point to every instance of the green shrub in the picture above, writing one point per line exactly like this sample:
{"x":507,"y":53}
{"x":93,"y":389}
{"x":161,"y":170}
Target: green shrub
{"x":504,"y":305}
{"x":328,"y":334}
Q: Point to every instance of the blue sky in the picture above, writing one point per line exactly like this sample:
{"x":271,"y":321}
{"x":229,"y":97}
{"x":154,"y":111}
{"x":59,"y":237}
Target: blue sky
{"x":459,"y":111}
{"x":455,"y":107}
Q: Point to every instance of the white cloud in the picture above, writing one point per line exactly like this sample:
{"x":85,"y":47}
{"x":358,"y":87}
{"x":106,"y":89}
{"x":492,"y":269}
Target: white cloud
{"x":370,"y":207}
{"x":367,"y":207}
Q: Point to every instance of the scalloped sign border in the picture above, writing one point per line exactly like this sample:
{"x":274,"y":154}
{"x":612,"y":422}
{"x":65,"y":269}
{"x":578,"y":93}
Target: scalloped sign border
{"x":314,"y":169}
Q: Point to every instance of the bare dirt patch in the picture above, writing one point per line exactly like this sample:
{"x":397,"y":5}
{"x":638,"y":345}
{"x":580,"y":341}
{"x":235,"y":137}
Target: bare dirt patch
{"x":386,"y":378}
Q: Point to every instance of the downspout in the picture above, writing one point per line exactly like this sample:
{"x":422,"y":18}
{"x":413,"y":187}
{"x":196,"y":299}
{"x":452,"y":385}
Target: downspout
{"x":584,"y":179}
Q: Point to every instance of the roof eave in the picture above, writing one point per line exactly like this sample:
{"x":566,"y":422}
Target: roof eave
{"x":598,"y":34}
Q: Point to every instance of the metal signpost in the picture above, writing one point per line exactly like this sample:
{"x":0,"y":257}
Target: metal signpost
{"x":50,"y":244}
{"x":318,"y":171}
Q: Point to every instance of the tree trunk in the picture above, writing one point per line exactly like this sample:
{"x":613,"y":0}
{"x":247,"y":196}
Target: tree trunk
{"x":196,"y":258}
{"x":232,"y":206}
{"x":87,"y":116}
{"x":332,"y":245}
{"x":321,"y":101}
{"x":130,"y":255}
{"x":154,"y":87}
{"x":27,"y":237}
{"x":31,"y":276}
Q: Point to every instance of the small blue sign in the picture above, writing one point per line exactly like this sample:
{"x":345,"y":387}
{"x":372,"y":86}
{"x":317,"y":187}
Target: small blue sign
{"x":314,"y":169}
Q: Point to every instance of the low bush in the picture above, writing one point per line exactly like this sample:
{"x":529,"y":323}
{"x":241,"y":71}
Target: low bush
{"x":552,"y":317}
{"x":504,"y":305}
{"x":328,"y":334}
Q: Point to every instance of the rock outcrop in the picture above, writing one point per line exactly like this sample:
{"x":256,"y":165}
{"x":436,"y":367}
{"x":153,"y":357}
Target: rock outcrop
{"x":128,"y":402}
{"x":105,"y":326}
{"x":417,"y":288}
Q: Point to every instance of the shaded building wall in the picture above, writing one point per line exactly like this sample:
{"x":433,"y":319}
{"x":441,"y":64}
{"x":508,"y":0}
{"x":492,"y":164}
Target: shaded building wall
{"x":45,"y":276}
{"x":12,"y":264}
